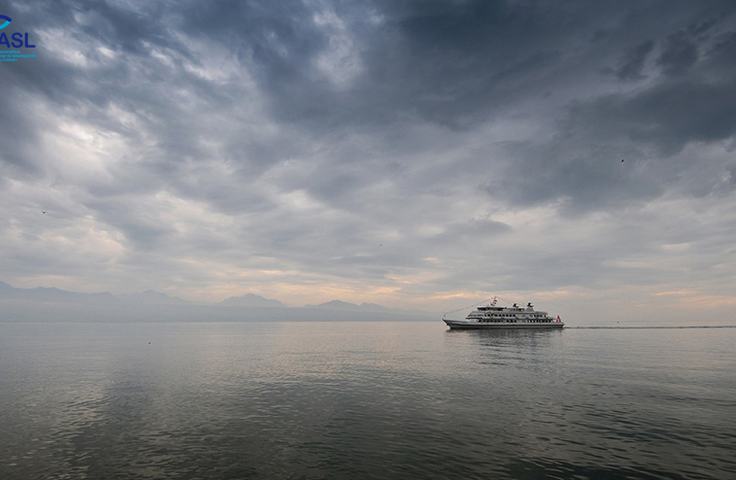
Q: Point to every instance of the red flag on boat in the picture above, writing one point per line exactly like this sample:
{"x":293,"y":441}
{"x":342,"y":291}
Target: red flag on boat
{"x":558,"y":319}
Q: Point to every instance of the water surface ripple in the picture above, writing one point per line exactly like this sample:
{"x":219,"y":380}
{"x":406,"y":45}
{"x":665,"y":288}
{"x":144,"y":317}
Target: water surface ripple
{"x":364,"y":400}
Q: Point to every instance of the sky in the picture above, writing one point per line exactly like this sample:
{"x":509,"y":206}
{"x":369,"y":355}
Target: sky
{"x":416,"y":154}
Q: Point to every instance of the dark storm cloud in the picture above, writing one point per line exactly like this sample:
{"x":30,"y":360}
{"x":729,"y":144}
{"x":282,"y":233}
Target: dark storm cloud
{"x":648,"y":129}
{"x":690,"y":102}
{"x":632,"y":63}
{"x":133,"y":80}
{"x":698,"y":107}
{"x":453,"y":63}
{"x":719,"y":58}
{"x":679,"y":54}
{"x":446,"y":62}
{"x":584,"y":179}
{"x":91,"y":25}
{"x":382,"y":140}
{"x":667,"y":116}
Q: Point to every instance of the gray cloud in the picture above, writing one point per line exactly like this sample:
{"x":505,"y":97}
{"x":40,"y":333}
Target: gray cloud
{"x":679,"y":54}
{"x":667,"y":116}
{"x":631,"y":64}
{"x":321,"y":148}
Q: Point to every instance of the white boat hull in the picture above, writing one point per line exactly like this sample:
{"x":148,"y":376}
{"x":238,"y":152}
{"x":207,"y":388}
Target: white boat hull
{"x":466,"y":325}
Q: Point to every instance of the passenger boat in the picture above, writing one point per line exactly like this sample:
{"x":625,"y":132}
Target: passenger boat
{"x":492,"y":316}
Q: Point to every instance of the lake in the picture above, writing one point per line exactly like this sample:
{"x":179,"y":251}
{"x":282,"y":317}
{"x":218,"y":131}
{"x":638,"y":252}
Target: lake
{"x":335,"y":400}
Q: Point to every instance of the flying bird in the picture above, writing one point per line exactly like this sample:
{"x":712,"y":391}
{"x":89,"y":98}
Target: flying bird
{"x":43,"y":212}
{"x":622,"y":160}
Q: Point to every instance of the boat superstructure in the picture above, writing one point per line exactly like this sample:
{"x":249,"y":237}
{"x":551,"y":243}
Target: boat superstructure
{"x":492,"y":316}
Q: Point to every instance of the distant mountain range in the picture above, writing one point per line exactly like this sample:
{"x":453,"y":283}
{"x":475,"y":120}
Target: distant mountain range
{"x":44,"y":294}
{"x":50,"y":304}
{"x":151,"y":296}
{"x":252,"y":300}
{"x":365,"y":307}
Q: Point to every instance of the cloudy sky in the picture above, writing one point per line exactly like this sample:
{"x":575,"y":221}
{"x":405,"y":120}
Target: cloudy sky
{"x":419,"y":154}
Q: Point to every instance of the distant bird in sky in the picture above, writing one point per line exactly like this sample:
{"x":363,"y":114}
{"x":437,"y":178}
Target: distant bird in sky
{"x":43,"y":212}
{"x":622,"y":160}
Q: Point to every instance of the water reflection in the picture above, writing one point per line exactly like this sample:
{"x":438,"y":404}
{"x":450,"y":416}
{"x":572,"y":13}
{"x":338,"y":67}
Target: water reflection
{"x":508,"y":336}
{"x":365,"y":400}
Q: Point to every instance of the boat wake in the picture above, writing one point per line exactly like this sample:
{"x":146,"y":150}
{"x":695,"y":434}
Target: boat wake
{"x":648,"y":327}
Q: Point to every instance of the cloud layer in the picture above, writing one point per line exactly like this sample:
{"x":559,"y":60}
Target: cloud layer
{"x":415,"y":153}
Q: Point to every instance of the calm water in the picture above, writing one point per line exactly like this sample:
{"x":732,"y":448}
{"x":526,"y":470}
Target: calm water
{"x":364,"y":400}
